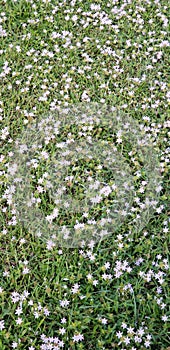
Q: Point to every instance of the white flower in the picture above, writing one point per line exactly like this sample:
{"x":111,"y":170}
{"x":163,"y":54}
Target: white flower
{"x":63,"y":320}
{"x":2,"y":326}
{"x":106,"y":191}
{"x":126,"y":340}
{"x":25,"y":270}
{"x":124,"y":325}
{"x":64,"y":303}
{"x":104,"y":321}
{"x":79,"y":226}
{"x":19,"y":320}
{"x":77,"y":337}
{"x":119,"y":334}
{"x":147,"y":343}
{"x":85,"y":96}
{"x":164,"y":318}
{"x":75,"y":288}
{"x":62,"y":330}
{"x":107,"y":265}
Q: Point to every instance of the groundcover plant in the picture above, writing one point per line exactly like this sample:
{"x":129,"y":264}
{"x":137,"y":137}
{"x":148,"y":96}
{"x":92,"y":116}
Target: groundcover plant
{"x":84,"y":240}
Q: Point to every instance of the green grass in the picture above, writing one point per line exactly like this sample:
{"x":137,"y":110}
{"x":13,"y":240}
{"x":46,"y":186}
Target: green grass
{"x":123,"y":64}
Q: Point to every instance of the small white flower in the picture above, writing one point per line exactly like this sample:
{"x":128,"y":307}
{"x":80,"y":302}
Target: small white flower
{"x":62,"y":331}
{"x":2,"y":326}
{"x":164,"y":318}
{"x":63,"y":320}
{"x":104,"y":321}
{"x":64,"y":303}
{"x":25,"y":270}
{"x":78,"y":337}
{"x":119,"y":334}
{"x":19,"y":320}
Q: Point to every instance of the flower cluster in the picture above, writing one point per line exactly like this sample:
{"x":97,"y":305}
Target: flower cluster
{"x":84,"y":136}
